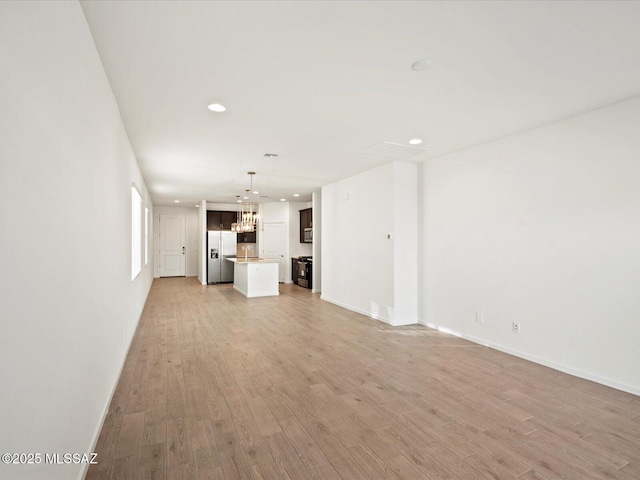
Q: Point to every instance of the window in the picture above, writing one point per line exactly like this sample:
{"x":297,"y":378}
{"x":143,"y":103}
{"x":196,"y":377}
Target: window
{"x":146,"y":236}
{"x":136,"y":233}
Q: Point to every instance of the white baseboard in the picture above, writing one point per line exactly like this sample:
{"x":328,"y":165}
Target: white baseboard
{"x":96,"y":435}
{"x":364,"y":312}
{"x":349,"y":307}
{"x":539,"y":360}
{"x":85,"y":466}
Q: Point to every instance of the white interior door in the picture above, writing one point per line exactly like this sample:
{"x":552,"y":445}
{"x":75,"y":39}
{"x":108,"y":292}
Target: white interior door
{"x":274,"y":238}
{"x":171,"y":239}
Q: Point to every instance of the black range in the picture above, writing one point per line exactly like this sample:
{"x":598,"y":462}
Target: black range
{"x":302,"y":271}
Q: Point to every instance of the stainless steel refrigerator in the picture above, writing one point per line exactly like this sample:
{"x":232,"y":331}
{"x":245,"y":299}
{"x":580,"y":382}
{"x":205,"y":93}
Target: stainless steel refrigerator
{"x":220,"y":246}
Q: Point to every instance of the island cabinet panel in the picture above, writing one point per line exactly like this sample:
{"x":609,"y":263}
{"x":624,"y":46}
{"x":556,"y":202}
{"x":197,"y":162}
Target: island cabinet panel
{"x":306,"y":221}
{"x":257,"y":277}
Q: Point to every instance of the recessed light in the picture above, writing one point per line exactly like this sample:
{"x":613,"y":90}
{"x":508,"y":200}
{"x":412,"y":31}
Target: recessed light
{"x":245,"y":198}
{"x":197,"y":206}
{"x":176,"y":201}
{"x":270,"y":154}
{"x":239,"y":201}
{"x":283,"y":199}
{"x":256,"y":192}
{"x":216,"y":107}
{"x":420,"y":65}
{"x":415,"y":141}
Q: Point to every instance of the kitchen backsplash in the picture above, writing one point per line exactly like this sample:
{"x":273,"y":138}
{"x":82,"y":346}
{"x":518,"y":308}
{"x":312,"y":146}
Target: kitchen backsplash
{"x":252,"y":249}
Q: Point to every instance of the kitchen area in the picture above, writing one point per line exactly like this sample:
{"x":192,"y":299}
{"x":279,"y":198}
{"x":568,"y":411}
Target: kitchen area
{"x":224,"y":244}
{"x":237,"y":257}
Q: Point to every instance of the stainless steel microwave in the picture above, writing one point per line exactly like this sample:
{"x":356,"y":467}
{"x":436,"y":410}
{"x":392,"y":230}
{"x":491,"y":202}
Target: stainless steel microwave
{"x":308,"y":234}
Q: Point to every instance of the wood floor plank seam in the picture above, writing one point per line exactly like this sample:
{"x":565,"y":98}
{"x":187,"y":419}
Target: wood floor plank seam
{"x":218,"y":386}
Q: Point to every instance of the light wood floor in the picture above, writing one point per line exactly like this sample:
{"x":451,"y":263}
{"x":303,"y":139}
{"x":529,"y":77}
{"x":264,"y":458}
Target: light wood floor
{"x":217,"y":386}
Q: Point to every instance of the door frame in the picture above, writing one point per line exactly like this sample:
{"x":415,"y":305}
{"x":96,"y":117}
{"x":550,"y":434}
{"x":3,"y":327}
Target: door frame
{"x":285,"y":265}
{"x":159,"y":230}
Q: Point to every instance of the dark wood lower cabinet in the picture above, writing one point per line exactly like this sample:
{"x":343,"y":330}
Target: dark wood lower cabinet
{"x":294,"y":270}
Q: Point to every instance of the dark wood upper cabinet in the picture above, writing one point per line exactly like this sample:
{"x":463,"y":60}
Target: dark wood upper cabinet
{"x":247,"y":237}
{"x":306,"y":221}
{"x":218,"y":220}
{"x":214,"y":220}
{"x":227,"y":219}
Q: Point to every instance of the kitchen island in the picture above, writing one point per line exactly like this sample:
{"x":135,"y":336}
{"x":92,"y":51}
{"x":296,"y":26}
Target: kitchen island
{"x":255,"y":277}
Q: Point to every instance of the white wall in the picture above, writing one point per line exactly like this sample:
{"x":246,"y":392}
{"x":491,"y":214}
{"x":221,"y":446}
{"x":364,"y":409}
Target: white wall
{"x":362,"y":268}
{"x":192,"y":232}
{"x":223,"y":207}
{"x":69,"y":307}
{"x":276,"y":212}
{"x":202,"y":242}
{"x":317,"y":241}
{"x":542,"y":228}
{"x":405,"y":242}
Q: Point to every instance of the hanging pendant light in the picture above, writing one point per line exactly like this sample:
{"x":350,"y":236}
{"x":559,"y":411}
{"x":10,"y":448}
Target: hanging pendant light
{"x":248,"y":216}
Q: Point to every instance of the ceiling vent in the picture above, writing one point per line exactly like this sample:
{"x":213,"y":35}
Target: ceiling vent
{"x":393,"y":150}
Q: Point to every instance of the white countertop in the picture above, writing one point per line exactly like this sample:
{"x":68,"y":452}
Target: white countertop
{"x":252,"y":260}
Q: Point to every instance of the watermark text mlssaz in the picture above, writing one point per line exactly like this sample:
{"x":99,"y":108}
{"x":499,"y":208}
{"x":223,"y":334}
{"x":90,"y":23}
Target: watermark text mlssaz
{"x":51,"y":458}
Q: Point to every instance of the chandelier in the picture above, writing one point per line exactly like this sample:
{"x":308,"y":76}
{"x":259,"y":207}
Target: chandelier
{"x":248,"y":216}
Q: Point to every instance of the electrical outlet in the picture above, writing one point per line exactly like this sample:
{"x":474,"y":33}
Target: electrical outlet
{"x":516,"y":327}
{"x":479,"y":318}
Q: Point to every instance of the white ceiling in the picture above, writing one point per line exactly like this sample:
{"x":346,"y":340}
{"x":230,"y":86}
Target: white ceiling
{"x":317,"y":82}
